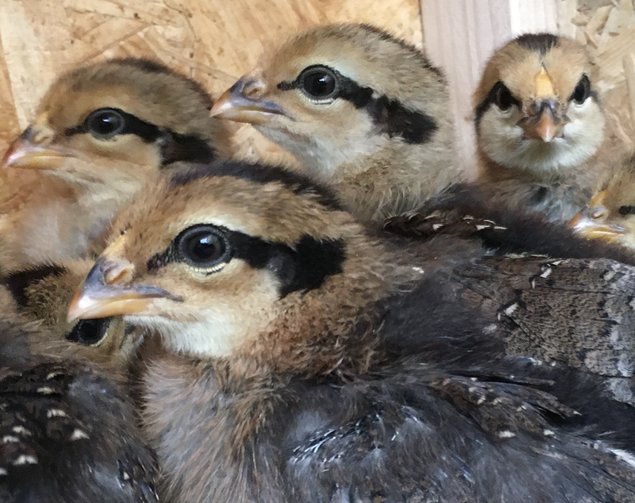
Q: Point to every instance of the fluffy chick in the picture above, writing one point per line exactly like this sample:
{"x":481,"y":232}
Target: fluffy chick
{"x":102,"y":130}
{"x":609,"y":215}
{"x":539,"y":125}
{"x":355,"y":353}
{"x":67,"y":432}
{"x":40,"y":295}
{"x":68,"y":427}
{"x":364,"y":112}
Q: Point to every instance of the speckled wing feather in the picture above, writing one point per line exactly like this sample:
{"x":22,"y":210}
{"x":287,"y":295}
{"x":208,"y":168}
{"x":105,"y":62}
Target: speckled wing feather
{"x":425,"y":436}
{"x":471,"y":213}
{"x":579,"y":312}
{"x":435,"y":223}
{"x":471,"y":405}
{"x":67,"y":433}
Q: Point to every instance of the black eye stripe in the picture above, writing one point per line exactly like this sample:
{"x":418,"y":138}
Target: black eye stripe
{"x":133,"y":125}
{"x":242,"y":246}
{"x":348,"y":89}
{"x":627,"y":210}
{"x":391,"y":116}
{"x":303,"y":267}
{"x":174,"y":146}
{"x":180,"y":147}
{"x":582,"y":90}
{"x":489,"y":100}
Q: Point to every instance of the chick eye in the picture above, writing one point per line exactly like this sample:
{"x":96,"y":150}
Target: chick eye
{"x":203,"y":246}
{"x":627,"y":210}
{"x":503,"y":97}
{"x":582,"y":91}
{"x":89,"y":332}
{"x":318,"y":82}
{"x":105,"y":123}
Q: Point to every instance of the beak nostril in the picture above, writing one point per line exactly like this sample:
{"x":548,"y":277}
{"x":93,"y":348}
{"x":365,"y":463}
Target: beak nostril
{"x":253,"y":89}
{"x":598,"y":213}
{"x":38,"y":135}
{"x":27,"y":134}
{"x":117,"y":273}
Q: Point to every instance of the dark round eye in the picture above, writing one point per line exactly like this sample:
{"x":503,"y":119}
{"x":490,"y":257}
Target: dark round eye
{"x":503,"y":97}
{"x":203,"y":246}
{"x":582,"y":91}
{"x":627,"y":210}
{"x":89,"y":332}
{"x":105,"y":123}
{"x":319,"y":82}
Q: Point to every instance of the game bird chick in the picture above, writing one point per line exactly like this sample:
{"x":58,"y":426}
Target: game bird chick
{"x":40,"y":294}
{"x":104,"y":130}
{"x":539,"y":125}
{"x":68,"y":432}
{"x":68,"y":428}
{"x":311,"y":361}
{"x":609,"y":215}
{"x":364,"y":112}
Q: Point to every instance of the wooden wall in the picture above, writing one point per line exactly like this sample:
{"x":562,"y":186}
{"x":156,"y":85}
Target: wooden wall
{"x":215,"y":41}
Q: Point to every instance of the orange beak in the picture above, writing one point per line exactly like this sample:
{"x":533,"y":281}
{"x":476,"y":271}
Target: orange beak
{"x":105,"y":293}
{"x":543,"y":121}
{"x":591,"y":222}
{"x":243,"y":102}
{"x":23,"y":153}
{"x":546,"y":126}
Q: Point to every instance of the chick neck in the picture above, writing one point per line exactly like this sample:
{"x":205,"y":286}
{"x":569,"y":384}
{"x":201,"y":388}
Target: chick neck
{"x":374,"y":175}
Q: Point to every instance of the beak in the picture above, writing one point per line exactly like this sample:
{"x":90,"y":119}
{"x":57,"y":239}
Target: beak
{"x":23,"y":153}
{"x":547,"y":125}
{"x":591,"y":222}
{"x":584,"y":225}
{"x":243,"y":102}
{"x":544,"y":121}
{"x":105,"y":293}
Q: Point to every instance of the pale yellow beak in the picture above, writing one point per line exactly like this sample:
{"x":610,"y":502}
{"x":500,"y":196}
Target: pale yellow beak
{"x":25,"y":154}
{"x":105,"y":292}
{"x":245,"y":102}
{"x":591,"y":222}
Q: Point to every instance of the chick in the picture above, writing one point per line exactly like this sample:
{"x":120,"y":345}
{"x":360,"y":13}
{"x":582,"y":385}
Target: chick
{"x":104,"y":130}
{"x":363,"y":111}
{"x":609,"y":214}
{"x":40,"y":295}
{"x":539,"y":125}
{"x":67,"y":432}
{"x":308,"y":355}
{"x":67,"y":424}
